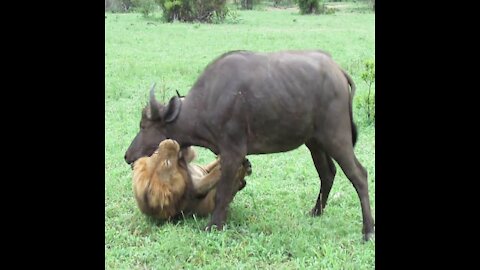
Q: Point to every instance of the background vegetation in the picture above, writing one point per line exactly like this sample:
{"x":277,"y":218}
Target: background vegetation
{"x":216,"y":10}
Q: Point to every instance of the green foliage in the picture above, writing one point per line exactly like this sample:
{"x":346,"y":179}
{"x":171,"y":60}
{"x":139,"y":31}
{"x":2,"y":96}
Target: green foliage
{"x":308,"y":6}
{"x":277,"y":3}
{"x":118,"y":5}
{"x":246,"y":4}
{"x":327,"y":10}
{"x":363,"y":6}
{"x":315,"y":6}
{"x":145,"y":7}
{"x":369,"y":74}
{"x":232,"y":17}
{"x":368,"y":102}
{"x":193,"y":10}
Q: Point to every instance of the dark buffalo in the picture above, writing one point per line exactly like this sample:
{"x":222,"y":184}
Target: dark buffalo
{"x":258,"y":103}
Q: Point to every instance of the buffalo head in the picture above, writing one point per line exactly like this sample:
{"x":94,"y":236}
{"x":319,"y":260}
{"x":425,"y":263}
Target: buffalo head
{"x":155,"y":117}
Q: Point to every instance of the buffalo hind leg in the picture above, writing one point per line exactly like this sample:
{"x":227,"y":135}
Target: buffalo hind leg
{"x":230,"y":162}
{"x":326,"y":172}
{"x":356,"y":173}
{"x":369,"y":229}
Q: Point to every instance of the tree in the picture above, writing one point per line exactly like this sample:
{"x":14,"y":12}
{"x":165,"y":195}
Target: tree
{"x":193,"y":10}
{"x":247,"y":4}
{"x":308,"y":6}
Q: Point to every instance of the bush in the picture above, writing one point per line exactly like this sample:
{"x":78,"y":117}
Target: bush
{"x":246,"y":4}
{"x":308,"y":6}
{"x":284,"y":3}
{"x":365,"y":108}
{"x":232,"y":17}
{"x":367,"y":102}
{"x":314,"y":6}
{"x":118,"y":5}
{"x":146,"y":7}
{"x":193,"y":10}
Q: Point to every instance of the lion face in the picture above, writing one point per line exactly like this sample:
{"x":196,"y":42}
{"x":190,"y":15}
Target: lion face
{"x":159,"y":182}
{"x":168,"y":150}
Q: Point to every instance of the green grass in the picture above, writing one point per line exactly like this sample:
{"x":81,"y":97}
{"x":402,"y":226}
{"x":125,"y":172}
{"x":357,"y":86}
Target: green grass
{"x":268,"y":226}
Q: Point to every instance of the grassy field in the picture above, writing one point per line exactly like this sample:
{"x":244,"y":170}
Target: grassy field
{"x":268,"y":226}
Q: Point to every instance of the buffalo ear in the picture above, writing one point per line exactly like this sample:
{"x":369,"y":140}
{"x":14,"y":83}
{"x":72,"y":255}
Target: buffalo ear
{"x":172,"y":110}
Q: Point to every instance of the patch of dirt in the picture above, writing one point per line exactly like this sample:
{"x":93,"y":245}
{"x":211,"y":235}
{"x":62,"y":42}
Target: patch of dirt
{"x":295,"y":9}
{"x":282,"y":8}
{"x":339,"y":6}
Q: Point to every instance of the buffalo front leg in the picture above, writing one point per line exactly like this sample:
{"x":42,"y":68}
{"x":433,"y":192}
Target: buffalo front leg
{"x":326,"y":172}
{"x":225,"y":188}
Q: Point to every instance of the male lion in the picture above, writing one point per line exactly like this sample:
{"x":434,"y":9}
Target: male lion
{"x":167,"y":184}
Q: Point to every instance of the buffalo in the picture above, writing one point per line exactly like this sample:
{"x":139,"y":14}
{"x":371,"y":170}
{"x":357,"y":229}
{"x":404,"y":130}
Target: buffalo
{"x":248,"y":103}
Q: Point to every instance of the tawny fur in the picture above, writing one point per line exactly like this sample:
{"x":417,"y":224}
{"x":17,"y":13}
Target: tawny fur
{"x":167,"y":184}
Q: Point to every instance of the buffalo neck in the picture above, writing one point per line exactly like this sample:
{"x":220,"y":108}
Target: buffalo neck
{"x":187,"y":130}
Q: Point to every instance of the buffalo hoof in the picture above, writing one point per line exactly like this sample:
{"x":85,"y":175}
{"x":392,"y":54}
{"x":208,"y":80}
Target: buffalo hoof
{"x":369,"y":236}
{"x":212,"y":226}
{"x":243,"y":183}
{"x":315,"y":212}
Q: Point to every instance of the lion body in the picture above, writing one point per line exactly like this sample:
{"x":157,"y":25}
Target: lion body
{"x":167,"y":184}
